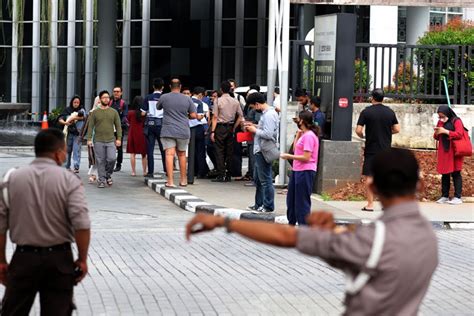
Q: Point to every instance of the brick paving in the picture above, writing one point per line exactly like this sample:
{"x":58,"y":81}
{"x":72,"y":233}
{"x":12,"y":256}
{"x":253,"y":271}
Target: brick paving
{"x":140,"y":264}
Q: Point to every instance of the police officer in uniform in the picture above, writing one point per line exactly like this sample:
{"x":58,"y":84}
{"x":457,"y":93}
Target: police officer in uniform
{"x":43,"y":207}
{"x":388,"y":264}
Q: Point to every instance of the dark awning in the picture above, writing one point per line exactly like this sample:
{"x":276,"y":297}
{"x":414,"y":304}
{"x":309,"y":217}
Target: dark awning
{"x":418,"y":3}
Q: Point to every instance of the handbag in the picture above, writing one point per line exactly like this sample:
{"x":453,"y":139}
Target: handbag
{"x":463,"y":146}
{"x":269,"y":149}
{"x":244,"y":137}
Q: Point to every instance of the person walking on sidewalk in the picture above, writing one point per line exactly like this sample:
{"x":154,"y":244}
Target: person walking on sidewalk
{"x":305,"y":162}
{"x":177,"y":110}
{"x":227,"y":115}
{"x":43,"y":207}
{"x":118,"y":104}
{"x":73,"y":117}
{"x":153,"y":126}
{"x":388,"y":264}
{"x":136,"y":143}
{"x":267,"y":129}
{"x":449,"y":128}
{"x":101,"y":125}
{"x":380,"y":124}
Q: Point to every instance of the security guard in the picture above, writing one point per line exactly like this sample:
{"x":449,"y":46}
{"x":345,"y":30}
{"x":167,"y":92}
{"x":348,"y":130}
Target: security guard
{"x":388,"y":264}
{"x":43,"y":206}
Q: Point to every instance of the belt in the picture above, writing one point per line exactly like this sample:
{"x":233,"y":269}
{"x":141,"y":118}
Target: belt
{"x":27,"y":248}
{"x":226,"y":124}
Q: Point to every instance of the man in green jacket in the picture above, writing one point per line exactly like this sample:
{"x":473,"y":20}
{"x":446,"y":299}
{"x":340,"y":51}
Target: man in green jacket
{"x":101,"y":124}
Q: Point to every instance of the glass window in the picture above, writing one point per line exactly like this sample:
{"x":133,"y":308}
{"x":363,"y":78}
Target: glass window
{"x":136,"y":34}
{"x":118,"y":67}
{"x":249,"y":69}
{"x":5,"y":34}
{"x":160,"y":34}
{"x":80,"y":36}
{"x":136,"y":9}
{"x":251,"y":8}
{"x":457,"y":10}
{"x":44,"y":31}
{"x":119,"y":34}
{"x":160,"y":9}
{"x":437,"y":18}
{"x":250,"y":32}
{"x":119,"y":10}
{"x":62,"y":34}
{"x":24,"y":75}
{"x":62,"y":9}
{"x":5,"y":74}
{"x":62,"y":77}
{"x":27,"y":33}
{"x":228,"y":33}
{"x":5,"y":10}
{"x":229,"y":8}
{"x":402,"y":25}
{"x":27,"y":11}
{"x":228,"y":63}
{"x":135,"y":82}
{"x":44,"y":81}
{"x":159,"y":63}
{"x":80,"y":9}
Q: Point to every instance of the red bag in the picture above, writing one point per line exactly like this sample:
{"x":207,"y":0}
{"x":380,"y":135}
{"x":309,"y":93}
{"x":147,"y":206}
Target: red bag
{"x":244,"y":137}
{"x":463,"y":146}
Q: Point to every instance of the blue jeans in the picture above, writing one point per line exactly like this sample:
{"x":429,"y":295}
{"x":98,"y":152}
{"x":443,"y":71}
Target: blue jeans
{"x":265,"y":194}
{"x":298,"y":199}
{"x":73,"y":151}
{"x":153,"y":135}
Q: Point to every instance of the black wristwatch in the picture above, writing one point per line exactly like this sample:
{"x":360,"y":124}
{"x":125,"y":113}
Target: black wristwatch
{"x":227,"y":224}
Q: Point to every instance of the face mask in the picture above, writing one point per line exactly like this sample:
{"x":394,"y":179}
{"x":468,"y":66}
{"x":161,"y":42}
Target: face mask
{"x":258,"y":111}
{"x":444,"y":119}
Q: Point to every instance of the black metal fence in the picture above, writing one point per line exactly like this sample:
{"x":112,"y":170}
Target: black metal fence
{"x":405,"y":72}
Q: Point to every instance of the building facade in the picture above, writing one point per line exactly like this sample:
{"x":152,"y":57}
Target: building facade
{"x":53,"y":50}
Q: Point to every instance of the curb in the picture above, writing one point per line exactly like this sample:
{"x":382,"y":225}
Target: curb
{"x":194,"y":204}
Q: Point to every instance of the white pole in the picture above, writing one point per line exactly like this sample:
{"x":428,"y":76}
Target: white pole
{"x":36,"y":59}
{"x":272,"y":67}
{"x":14,"y":87}
{"x":71,"y":50}
{"x":126,"y":61}
{"x":145,"y":85}
{"x":285,"y":43}
{"x":89,"y":59}
{"x":53,"y":57}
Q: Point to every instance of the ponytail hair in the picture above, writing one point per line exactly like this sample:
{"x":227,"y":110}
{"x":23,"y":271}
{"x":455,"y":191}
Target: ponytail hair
{"x":306,"y":118}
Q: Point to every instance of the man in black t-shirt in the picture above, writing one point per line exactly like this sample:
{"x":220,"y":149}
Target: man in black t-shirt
{"x":380,"y":123}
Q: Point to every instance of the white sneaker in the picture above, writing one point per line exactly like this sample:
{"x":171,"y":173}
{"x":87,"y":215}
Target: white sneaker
{"x":455,"y":201}
{"x":443,"y":200}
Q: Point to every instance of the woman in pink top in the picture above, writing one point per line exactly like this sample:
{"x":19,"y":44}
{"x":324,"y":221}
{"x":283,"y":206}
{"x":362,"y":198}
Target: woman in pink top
{"x":305,"y":161}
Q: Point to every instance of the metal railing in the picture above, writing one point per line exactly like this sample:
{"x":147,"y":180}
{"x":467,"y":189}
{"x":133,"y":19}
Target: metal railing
{"x":405,"y":72}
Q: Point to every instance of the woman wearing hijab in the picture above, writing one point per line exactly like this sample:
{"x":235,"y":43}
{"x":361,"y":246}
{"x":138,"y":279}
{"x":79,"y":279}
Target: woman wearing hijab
{"x":449,"y":128}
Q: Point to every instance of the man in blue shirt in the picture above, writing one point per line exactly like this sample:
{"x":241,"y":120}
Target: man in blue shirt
{"x":318,"y":116}
{"x":200,"y":127}
{"x":153,"y":124}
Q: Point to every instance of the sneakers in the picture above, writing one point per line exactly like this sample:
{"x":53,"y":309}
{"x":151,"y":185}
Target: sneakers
{"x":455,"y":201}
{"x":219,"y":179}
{"x":253,"y":208}
{"x":101,"y":185}
{"x":109,"y":181}
{"x":262,"y":209}
{"x":76,"y":170}
{"x":443,"y":200}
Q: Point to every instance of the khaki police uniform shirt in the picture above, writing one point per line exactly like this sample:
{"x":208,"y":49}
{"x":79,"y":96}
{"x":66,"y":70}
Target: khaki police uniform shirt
{"x":47,"y":205}
{"x":226,"y":109}
{"x":402,"y":276}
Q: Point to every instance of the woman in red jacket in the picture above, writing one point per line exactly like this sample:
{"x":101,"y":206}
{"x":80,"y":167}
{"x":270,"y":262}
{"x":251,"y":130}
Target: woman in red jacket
{"x":449,"y":128}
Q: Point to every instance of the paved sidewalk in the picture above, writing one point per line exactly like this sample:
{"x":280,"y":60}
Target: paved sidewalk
{"x":235,"y":196}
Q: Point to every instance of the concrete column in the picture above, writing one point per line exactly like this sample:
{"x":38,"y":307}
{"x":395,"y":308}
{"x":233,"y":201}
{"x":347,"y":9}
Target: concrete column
{"x":145,"y":86}
{"x":53,"y":57}
{"x":107,"y":13}
{"x":239,"y":40}
{"x":262,"y":20}
{"x":418,"y":22}
{"x":285,"y":58}
{"x":272,"y":64}
{"x":36,"y":59}
{"x":383,"y":30}
{"x":126,"y":61}
{"x":89,"y":58}
{"x":217,"y":44}
{"x":14,"y":85}
{"x":71,"y":50}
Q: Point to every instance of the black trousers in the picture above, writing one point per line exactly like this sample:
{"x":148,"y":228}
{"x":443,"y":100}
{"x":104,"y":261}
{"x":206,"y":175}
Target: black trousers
{"x":224,"y":138}
{"x":236,"y":170}
{"x":153,"y":135}
{"x":200,"y":165}
{"x":51,"y":273}
{"x":446,"y":183}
